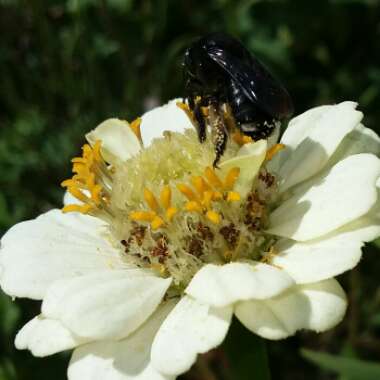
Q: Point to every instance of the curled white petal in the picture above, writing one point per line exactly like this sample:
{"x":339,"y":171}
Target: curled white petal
{"x":222,"y":285}
{"x":318,"y":306}
{"x":190,"y":329}
{"x":43,"y":336}
{"x":360,"y":140}
{"x":314,"y":139}
{"x":118,"y":140}
{"x":165,"y":118}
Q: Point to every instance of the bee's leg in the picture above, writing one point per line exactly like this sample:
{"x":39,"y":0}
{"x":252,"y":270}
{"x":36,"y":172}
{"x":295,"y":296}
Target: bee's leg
{"x":220,"y":132}
{"x":195,"y":107}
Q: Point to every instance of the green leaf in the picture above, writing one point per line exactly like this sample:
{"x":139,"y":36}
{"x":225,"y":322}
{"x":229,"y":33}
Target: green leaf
{"x":349,"y":368}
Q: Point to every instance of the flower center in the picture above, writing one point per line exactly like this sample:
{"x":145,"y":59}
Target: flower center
{"x":169,"y":211}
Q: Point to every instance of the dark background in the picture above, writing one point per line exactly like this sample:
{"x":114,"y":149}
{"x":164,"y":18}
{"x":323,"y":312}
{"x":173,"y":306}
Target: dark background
{"x":67,"y":65}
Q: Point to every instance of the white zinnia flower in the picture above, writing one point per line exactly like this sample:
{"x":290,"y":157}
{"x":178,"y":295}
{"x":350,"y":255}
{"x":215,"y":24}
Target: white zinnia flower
{"x":173,"y":248}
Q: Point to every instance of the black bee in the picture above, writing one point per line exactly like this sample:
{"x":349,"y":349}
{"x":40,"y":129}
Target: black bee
{"x":222,"y":75}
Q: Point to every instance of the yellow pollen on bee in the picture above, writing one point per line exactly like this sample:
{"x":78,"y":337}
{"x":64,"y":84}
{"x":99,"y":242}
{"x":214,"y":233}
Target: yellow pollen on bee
{"x":135,"y":126}
{"x":273,"y":151}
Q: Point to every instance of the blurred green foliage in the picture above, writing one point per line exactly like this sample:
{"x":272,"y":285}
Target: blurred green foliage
{"x":67,"y":65}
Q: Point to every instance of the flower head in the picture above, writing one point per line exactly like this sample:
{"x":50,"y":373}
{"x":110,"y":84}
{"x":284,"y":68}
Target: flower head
{"x":155,"y":250}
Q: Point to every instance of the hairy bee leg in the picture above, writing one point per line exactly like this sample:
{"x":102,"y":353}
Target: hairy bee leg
{"x":201,"y":122}
{"x":195,"y":107}
{"x":220,"y":130}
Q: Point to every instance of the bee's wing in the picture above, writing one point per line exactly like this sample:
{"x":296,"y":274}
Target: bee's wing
{"x":255,"y":81}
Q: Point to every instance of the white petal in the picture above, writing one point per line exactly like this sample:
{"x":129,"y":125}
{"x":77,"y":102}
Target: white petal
{"x":302,"y":125}
{"x":118,"y":140}
{"x":226,"y":284}
{"x":318,"y":306}
{"x":318,"y":260}
{"x":191,"y":328}
{"x":37,"y":252}
{"x":320,"y":140}
{"x":105,"y":305}
{"x":360,"y":140}
{"x":249,"y":160}
{"x":166,"y":118}
{"x":365,"y":229}
{"x":273,"y":139}
{"x":46,"y":337}
{"x":128,"y":359}
{"x":347,"y":192}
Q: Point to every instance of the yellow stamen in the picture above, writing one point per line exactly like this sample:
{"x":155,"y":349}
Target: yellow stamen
{"x":170,"y":212}
{"x":217,"y":195}
{"x":228,"y":118}
{"x":213,"y":216}
{"x":135,"y":126}
{"x":186,"y":191}
{"x":193,"y":206}
{"x":165,"y":196}
{"x":150,"y":199}
{"x":79,"y":160}
{"x":96,"y":150}
{"x":207,"y":198}
{"x":184,"y":107}
{"x":231,"y":178}
{"x":84,"y":209}
{"x":273,"y":151}
{"x":96,"y":194}
{"x":213,"y":178}
{"x":157,"y":222}
{"x":233,"y":196}
{"x":160,"y":268}
{"x":68,"y":182}
{"x":241,"y":139}
{"x":77,"y":194}
{"x":205,"y":111}
{"x":90,"y":181}
{"x":79,"y":168}
{"x":200,"y":184}
{"x":142,"y":216}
